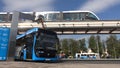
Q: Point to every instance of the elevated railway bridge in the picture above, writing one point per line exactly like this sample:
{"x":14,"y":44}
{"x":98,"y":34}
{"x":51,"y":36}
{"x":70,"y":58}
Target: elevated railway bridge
{"x":60,"y":27}
{"x":81,"y":27}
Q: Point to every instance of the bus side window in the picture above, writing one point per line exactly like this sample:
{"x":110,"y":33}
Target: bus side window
{"x":78,"y":56}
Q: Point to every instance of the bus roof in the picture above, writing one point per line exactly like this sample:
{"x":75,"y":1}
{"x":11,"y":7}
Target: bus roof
{"x":33,"y":30}
{"x":47,"y":31}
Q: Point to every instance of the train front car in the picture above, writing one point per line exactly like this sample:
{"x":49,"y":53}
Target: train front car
{"x":79,"y":16}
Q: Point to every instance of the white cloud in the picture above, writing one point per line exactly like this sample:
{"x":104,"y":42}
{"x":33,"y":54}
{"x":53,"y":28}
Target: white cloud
{"x":99,"y":5}
{"x":28,"y":5}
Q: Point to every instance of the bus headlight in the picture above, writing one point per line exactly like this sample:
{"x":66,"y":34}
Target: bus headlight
{"x":41,"y":52}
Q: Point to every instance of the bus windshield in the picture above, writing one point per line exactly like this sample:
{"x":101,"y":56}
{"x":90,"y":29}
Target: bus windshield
{"x":45,"y":41}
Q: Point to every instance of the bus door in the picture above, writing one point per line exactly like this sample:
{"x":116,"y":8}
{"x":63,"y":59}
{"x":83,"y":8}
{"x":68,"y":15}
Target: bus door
{"x":29,"y":47}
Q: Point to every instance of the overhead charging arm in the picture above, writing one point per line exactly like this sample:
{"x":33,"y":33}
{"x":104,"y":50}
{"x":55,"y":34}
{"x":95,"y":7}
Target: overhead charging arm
{"x":40,"y":20}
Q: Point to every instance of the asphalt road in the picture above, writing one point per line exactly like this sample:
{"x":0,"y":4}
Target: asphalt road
{"x":12,"y":64}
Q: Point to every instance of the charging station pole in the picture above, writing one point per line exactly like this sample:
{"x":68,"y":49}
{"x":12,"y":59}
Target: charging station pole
{"x":13,"y":34}
{"x":17,"y":16}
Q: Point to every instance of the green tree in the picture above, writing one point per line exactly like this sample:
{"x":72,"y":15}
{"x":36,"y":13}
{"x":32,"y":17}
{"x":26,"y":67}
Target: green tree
{"x":118,"y":49}
{"x":99,"y":45}
{"x":82,"y":45}
{"x":73,"y":46}
{"x":103,"y":45}
{"x":64,"y":45}
{"x":92,"y":44}
{"x":112,"y":44}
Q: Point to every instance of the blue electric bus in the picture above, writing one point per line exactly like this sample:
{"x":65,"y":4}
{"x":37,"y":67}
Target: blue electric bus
{"x":37,"y":45}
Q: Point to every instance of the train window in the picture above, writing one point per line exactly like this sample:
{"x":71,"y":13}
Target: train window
{"x":3,"y":17}
{"x":45,"y":17}
{"x":52,"y":17}
{"x":90,"y":16}
{"x":66,"y":16}
{"x":82,"y":16}
{"x":71,"y":16}
{"x":10,"y":17}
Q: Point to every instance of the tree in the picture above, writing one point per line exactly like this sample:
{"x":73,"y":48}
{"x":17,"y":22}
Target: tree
{"x":112,"y":44}
{"x":99,"y":45}
{"x":69,"y":46}
{"x":64,"y":46}
{"x":73,"y":45}
{"x":103,"y":45}
{"x":93,"y":44}
{"x":118,"y":49}
{"x":82,"y":45}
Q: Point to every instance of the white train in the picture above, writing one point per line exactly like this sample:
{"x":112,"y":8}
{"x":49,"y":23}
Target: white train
{"x":68,"y":15}
{"x":56,"y":16}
